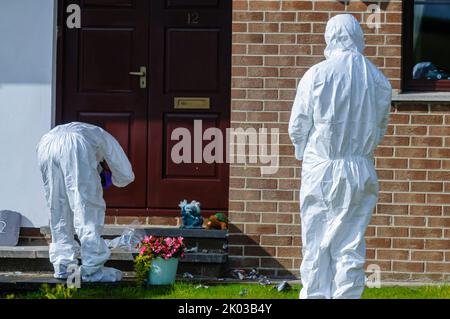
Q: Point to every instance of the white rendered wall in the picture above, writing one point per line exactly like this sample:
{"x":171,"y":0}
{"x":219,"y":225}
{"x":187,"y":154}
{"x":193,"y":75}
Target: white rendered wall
{"x":26,"y":103}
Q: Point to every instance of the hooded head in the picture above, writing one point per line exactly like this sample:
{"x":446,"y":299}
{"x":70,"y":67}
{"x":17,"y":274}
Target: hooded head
{"x":343,"y":33}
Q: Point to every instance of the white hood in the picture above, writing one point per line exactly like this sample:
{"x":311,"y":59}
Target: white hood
{"x":343,"y":33}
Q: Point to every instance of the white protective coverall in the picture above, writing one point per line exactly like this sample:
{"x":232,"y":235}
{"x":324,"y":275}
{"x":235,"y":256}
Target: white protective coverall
{"x":339,"y":116}
{"x":69,"y":157}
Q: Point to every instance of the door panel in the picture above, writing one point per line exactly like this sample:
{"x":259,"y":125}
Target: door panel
{"x":97,"y":59}
{"x":194,"y":61}
{"x":98,"y":89}
{"x":175,"y":170}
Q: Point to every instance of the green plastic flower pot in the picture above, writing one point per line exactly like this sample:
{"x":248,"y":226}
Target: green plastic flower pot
{"x":163,"y":272}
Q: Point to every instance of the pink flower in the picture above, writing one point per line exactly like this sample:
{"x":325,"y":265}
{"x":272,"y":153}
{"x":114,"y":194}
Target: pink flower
{"x":142,"y":251}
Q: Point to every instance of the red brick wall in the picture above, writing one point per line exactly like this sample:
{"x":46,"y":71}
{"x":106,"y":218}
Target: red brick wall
{"x":274,"y":43}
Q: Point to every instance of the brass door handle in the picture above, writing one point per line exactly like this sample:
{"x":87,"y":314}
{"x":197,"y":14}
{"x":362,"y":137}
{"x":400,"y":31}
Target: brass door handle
{"x":143,"y":76}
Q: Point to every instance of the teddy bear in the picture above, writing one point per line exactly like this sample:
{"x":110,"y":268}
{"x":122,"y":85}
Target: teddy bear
{"x":217,"y":221}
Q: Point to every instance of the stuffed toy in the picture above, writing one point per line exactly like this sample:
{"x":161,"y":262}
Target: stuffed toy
{"x":191,"y":214}
{"x":217,"y":221}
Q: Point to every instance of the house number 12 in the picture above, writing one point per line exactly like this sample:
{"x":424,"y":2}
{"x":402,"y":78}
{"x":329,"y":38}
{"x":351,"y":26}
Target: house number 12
{"x":2,"y":227}
{"x":193,"y":18}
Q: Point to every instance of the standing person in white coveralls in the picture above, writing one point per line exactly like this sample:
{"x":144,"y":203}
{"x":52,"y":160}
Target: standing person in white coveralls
{"x":69,"y":157}
{"x":340,"y":115}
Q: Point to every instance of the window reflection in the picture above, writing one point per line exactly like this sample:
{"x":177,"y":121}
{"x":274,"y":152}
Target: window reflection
{"x":431,"y":40}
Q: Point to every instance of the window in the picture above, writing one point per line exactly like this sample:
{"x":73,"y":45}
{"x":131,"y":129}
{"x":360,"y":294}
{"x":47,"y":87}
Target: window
{"x":426,"y":47}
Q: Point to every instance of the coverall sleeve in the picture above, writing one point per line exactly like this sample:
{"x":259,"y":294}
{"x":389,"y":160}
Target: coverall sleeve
{"x":117,"y":160}
{"x":384,"y":97}
{"x":301,"y":120}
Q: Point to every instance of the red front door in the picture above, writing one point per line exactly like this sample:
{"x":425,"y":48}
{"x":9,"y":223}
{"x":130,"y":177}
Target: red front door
{"x":184,"y":47}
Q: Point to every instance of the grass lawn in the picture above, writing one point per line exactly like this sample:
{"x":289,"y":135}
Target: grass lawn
{"x":239,"y":291}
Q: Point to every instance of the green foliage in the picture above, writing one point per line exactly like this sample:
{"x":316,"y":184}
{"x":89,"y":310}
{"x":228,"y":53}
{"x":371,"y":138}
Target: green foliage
{"x":221,"y":217}
{"x":60,"y":291}
{"x":142,"y":265}
{"x":10,"y":296}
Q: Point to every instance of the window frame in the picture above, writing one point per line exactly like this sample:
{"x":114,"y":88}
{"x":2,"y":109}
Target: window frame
{"x":408,"y":83}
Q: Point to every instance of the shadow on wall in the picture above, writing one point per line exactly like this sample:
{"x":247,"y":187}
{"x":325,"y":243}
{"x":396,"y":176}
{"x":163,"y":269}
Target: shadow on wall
{"x":26,"y":31}
{"x":245,"y":252}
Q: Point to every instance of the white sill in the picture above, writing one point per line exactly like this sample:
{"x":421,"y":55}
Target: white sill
{"x":421,"y":97}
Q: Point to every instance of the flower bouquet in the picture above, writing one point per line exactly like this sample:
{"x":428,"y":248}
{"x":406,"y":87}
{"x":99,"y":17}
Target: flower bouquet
{"x":157,"y":260}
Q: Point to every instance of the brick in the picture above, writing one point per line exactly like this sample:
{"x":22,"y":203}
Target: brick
{"x":392,"y":231}
{"x":380,"y":220}
{"x":412,"y":108}
{"x":391,"y":163}
{"x":280,"y":38}
{"x":424,"y":164}
{"x":438,"y":267}
{"x":409,"y":198}
{"x":411,"y":130}
{"x":425,"y":233}
{"x":276,"y":240}
{"x":439,"y":175}
{"x":392,"y":209}
{"x":427,"y":255}
{"x":437,"y":244}
{"x":399,"y":118}
{"x":247,"y":16}
{"x":378,"y":242}
{"x":279,"y":61}
{"x":408,"y":266}
{"x":288,"y":251}
{"x":425,"y":210}
{"x":247,"y":195}
{"x":439,"y":130}
{"x":384,"y":197}
{"x":384,"y":152}
{"x":426,"y":187}
{"x":261,"y":206}
{"x":427,"y":119}
{"x":438,"y":198}
{"x":409,"y":221}
{"x":296,"y":5}
{"x":243,"y":262}
{"x":279,"y":16}
{"x":410,"y":152}
{"x":247,"y":60}
{"x":260,"y":229}
{"x":261,"y":183}
{"x":259,"y":251}
{"x":241,"y":239}
{"x":277,"y":218}
{"x":392,"y":254}
{"x":439,"y":222}
{"x":395,"y":141}
{"x":394,"y":186}
{"x":276,"y":263}
{"x":244,"y":217}
{"x":439,"y":152}
{"x":426,"y":141}
{"x":385,"y":174}
{"x":408,"y":243}
{"x":264,"y":5}
{"x":410,"y":175}
{"x":288,"y":230}
{"x":236,"y":251}
{"x":277,"y":195}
